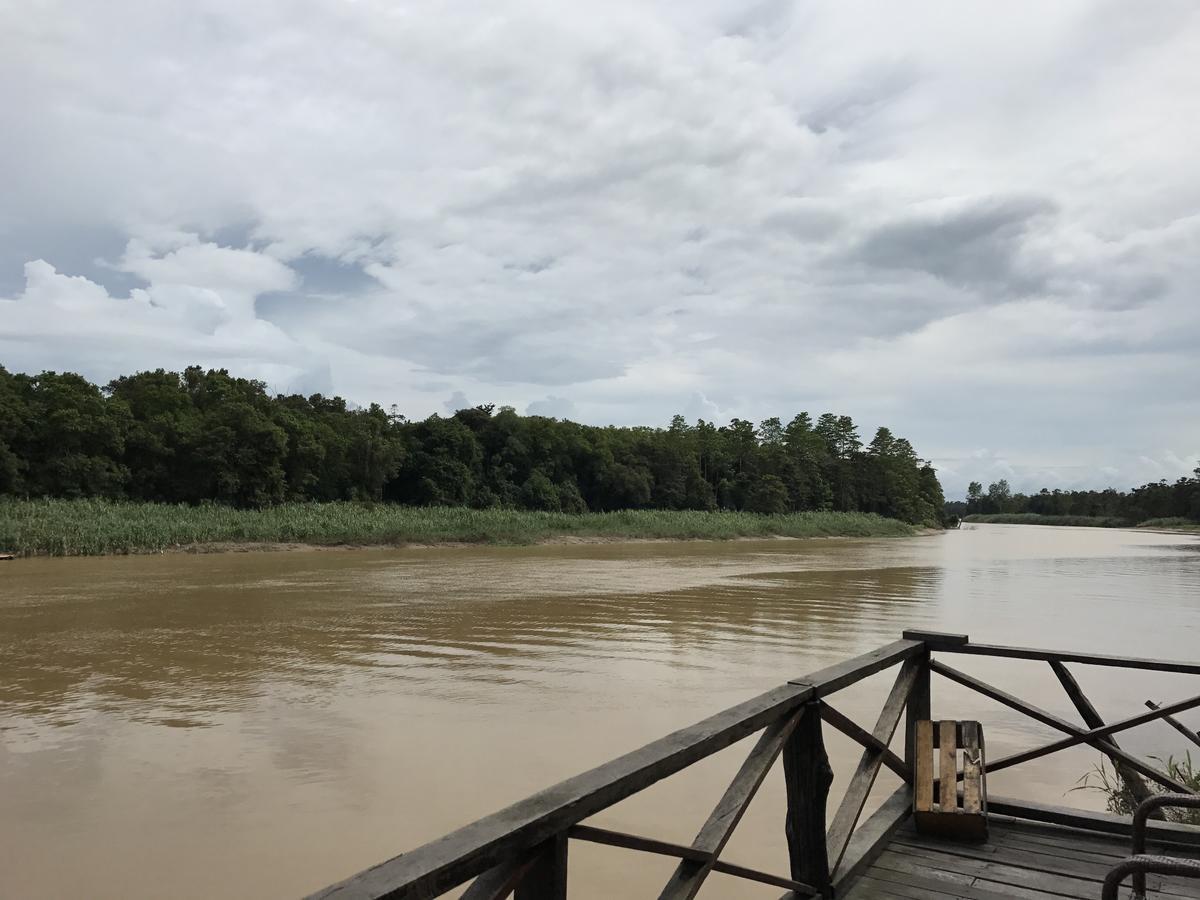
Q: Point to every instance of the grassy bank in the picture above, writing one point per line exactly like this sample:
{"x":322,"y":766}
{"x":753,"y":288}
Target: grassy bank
{"x":95,"y":527}
{"x":1038,"y":519}
{"x":1172,"y":524}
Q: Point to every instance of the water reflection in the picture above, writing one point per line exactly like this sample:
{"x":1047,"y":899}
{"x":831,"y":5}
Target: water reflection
{"x":299,"y":716}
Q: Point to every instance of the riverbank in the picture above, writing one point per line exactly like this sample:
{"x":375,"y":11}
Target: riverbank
{"x":1169,"y":525}
{"x":99,"y":527}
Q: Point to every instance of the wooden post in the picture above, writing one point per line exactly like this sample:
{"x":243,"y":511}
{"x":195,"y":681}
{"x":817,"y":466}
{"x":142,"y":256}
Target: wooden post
{"x":919,"y":707}
{"x":807,"y":775}
{"x":547,"y":880}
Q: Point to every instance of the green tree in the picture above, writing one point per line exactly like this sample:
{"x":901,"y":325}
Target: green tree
{"x":206,"y":435}
{"x":998,"y":496}
{"x":768,"y":495}
{"x":77,"y":440}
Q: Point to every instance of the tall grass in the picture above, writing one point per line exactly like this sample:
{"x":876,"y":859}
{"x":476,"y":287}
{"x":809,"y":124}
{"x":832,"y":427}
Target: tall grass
{"x":1177,"y":523}
{"x":1039,"y":519}
{"x":94,"y":527}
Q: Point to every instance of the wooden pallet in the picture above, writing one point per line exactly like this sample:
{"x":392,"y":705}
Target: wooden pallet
{"x":938,"y":807}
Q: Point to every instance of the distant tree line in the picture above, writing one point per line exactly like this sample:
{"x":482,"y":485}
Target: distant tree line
{"x":1156,"y":500}
{"x":201,"y":436}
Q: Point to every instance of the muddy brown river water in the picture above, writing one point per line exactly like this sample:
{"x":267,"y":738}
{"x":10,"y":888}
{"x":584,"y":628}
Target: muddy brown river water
{"x":258,"y":725}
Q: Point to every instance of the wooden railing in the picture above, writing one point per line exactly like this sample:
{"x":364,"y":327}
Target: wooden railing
{"x":524,"y":848}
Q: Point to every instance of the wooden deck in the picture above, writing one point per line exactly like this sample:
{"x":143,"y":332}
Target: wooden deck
{"x":1020,"y":860}
{"x":522,"y":849}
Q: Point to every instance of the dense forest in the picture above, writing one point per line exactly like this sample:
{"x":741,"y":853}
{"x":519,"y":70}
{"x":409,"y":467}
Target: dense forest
{"x":200,"y":436}
{"x":1155,"y":501}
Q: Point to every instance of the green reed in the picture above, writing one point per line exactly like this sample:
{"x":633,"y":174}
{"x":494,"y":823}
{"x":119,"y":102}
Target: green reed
{"x":95,"y":527}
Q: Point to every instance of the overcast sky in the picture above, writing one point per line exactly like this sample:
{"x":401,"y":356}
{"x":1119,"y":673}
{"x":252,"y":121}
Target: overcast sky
{"x":978,"y":224}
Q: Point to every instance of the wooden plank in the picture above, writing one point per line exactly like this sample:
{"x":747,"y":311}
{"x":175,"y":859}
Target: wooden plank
{"x":1159,"y":885}
{"x":972,"y":748}
{"x":924,"y":762}
{"x":1108,"y":852}
{"x":1068,"y":862}
{"x":850,"y":809}
{"x":547,"y":878}
{"x":1115,"y":843}
{"x":1048,"y":848}
{"x":807,"y":776}
{"x":596,"y":835}
{"x":797,"y":888}
{"x":715,"y":832}
{"x":918,"y":860}
{"x":1009,"y":855}
{"x":689,"y":875}
{"x":852,"y":730}
{"x":499,"y":881}
{"x":935,"y":640}
{"x":1021,"y":893}
{"x":870,"y":838}
{"x":947,"y":763}
{"x":833,"y":678}
{"x":1092,"y":738}
{"x":1091,"y":717}
{"x":1066,"y":656}
{"x":942,"y":885}
{"x":900,"y":869}
{"x":1170,"y":832}
{"x":871,"y":888}
{"x":1192,"y":736}
{"x":1100,"y":733}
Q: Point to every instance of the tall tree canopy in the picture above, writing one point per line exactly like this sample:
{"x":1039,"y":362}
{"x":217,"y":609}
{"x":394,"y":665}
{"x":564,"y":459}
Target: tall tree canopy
{"x":199,"y":435}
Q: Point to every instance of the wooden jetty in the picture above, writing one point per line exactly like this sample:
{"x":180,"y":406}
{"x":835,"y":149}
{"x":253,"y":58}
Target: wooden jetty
{"x":1031,"y":850}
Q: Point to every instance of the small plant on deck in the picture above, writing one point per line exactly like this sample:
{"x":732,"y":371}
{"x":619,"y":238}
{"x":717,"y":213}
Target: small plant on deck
{"x":1120,"y":799}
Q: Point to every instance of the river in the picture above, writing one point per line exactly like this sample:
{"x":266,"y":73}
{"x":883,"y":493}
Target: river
{"x":261,"y":724}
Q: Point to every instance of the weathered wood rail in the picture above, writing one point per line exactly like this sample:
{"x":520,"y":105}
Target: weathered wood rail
{"x":524,"y":848}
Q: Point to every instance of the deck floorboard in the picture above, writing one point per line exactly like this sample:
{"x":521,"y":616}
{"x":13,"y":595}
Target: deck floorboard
{"x":1018,"y":862}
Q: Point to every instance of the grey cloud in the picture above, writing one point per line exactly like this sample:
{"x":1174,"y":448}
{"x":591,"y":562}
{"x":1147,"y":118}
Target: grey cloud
{"x":868,"y":92}
{"x":805,"y":220}
{"x":457,"y":401}
{"x":769,"y":18}
{"x":976,"y":243}
{"x":552,"y":407}
{"x":533,"y":267}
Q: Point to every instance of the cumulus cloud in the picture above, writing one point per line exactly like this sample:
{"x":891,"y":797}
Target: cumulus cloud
{"x":976,"y":227}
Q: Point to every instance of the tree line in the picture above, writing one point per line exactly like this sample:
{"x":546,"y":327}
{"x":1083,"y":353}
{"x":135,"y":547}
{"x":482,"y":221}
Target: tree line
{"x":205,"y":435}
{"x":1157,"y":500}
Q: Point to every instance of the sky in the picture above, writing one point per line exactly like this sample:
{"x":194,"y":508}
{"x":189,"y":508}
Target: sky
{"x":975,"y":223}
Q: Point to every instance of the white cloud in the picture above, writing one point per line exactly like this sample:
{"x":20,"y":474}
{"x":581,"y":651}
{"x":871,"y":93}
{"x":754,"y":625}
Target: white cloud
{"x":973,"y":225}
